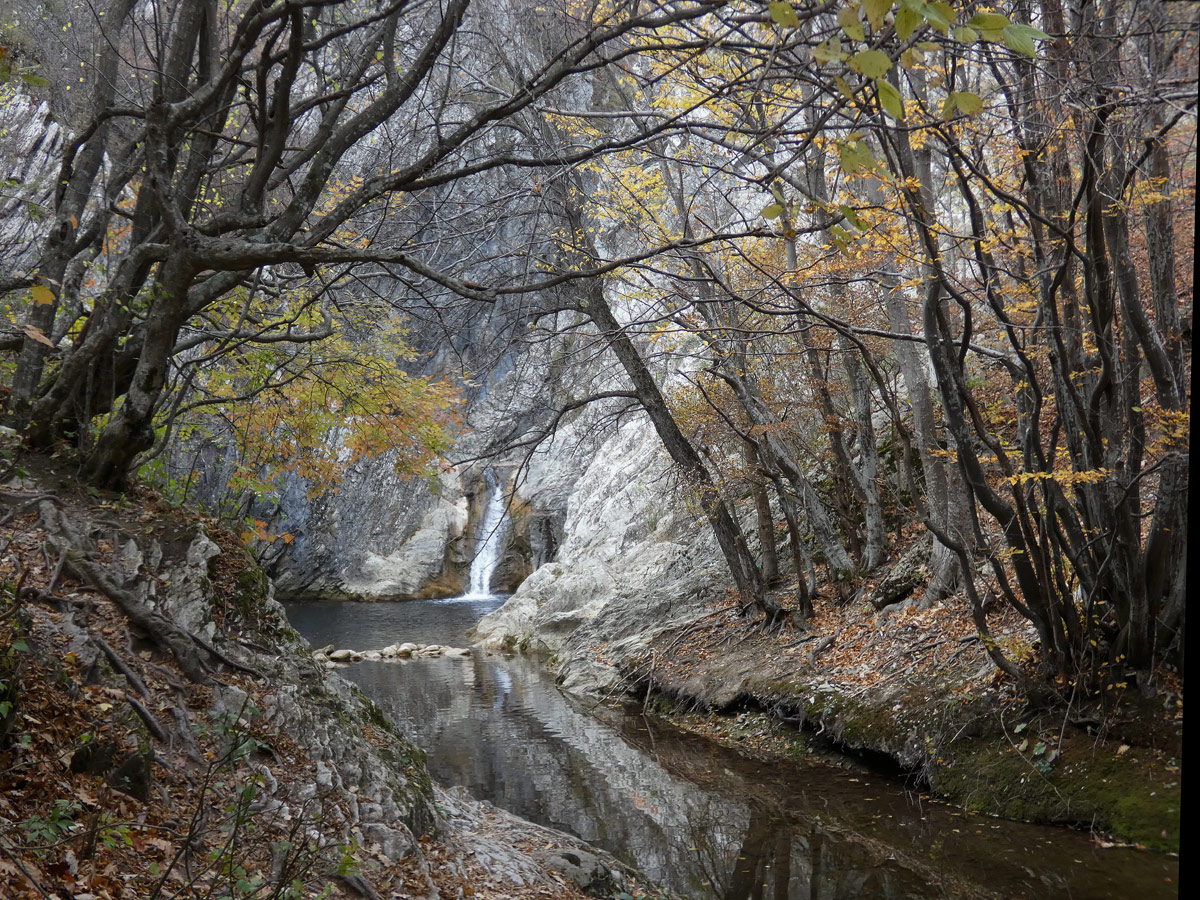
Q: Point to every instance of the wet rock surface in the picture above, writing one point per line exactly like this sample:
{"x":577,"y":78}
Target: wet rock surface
{"x":392,"y":652}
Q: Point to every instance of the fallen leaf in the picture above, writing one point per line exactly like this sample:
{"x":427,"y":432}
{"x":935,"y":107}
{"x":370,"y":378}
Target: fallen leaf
{"x":32,"y":331}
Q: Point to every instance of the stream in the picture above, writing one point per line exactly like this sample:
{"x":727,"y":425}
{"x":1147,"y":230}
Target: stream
{"x":695,"y":817}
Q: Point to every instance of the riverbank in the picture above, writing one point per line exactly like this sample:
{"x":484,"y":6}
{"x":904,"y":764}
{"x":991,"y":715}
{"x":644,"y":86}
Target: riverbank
{"x":913,"y":691}
{"x":164,"y":732}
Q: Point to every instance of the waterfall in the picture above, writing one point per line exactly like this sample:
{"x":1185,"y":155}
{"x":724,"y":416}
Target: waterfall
{"x":490,"y":540}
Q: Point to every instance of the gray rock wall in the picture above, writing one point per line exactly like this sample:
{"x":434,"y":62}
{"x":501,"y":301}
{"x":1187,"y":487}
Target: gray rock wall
{"x":381,"y":536}
{"x":634,"y":561}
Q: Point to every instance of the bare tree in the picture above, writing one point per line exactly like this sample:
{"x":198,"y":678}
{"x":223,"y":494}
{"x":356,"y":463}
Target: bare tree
{"x":218,"y":142}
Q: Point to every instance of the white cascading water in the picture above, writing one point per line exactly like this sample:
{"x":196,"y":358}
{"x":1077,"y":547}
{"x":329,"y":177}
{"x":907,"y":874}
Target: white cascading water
{"x":490,"y":540}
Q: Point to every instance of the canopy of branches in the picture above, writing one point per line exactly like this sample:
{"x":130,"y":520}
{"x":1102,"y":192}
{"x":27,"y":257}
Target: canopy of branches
{"x":910,"y":260}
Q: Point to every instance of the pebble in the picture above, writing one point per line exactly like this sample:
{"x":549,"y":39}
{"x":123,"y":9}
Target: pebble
{"x":328,"y":656}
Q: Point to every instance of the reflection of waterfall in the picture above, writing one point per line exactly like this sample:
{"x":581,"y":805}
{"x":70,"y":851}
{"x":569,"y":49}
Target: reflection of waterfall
{"x":490,"y":540}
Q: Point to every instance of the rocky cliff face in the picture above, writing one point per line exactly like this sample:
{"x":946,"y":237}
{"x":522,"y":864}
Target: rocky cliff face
{"x":30,"y":144}
{"x":381,"y":536}
{"x":634,"y":561}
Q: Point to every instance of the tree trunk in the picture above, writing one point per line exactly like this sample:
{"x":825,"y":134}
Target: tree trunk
{"x":765,"y":519}
{"x":76,"y":183}
{"x":841,"y":568}
{"x":130,"y":431}
{"x":725,"y":527}
{"x":945,"y":500}
{"x":867,"y":473}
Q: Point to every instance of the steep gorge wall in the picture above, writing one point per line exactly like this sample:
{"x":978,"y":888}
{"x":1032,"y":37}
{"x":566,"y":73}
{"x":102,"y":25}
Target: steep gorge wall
{"x":634,"y":561}
{"x":379,"y":535}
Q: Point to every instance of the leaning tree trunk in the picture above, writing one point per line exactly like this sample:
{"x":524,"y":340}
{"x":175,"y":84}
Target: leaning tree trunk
{"x":131,"y":430}
{"x":725,"y":527}
{"x":765,"y":519}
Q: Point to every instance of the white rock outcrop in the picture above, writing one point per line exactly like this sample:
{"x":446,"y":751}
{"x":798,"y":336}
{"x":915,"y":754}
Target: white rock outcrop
{"x":634,"y":561}
{"x":417,"y":561}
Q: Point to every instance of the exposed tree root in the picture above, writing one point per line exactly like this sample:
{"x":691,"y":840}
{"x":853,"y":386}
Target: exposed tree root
{"x":118,"y":665}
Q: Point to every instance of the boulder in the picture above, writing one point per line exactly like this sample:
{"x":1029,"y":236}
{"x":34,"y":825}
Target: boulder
{"x":907,"y":573}
{"x":583,"y":868}
{"x":341,"y":655}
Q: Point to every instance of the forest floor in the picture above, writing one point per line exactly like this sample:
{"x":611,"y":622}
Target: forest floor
{"x":119,"y":778}
{"x":914,"y":690}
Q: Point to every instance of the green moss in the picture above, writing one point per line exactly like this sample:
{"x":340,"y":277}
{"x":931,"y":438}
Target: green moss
{"x":252,"y":588}
{"x":375,"y":715}
{"x":962,"y":750}
{"x":1133,"y":795}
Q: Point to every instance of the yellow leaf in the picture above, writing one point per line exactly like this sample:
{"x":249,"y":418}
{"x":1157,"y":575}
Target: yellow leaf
{"x":782,"y":13}
{"x":42,"y":295}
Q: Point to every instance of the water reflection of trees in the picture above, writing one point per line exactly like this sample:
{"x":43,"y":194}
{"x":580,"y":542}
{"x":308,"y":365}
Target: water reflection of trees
{"x":787,"y":845}
{"x":704,"y":821}
{"x":778,"y":858}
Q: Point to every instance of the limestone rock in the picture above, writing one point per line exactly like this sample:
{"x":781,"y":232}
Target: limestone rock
{"x":583,"y":868}
{"x":378,"y":535}
{"x":129,"y":562}
{"x":201,"y":551}
{"x":907,"y":574}
{"x":634,"y":561}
